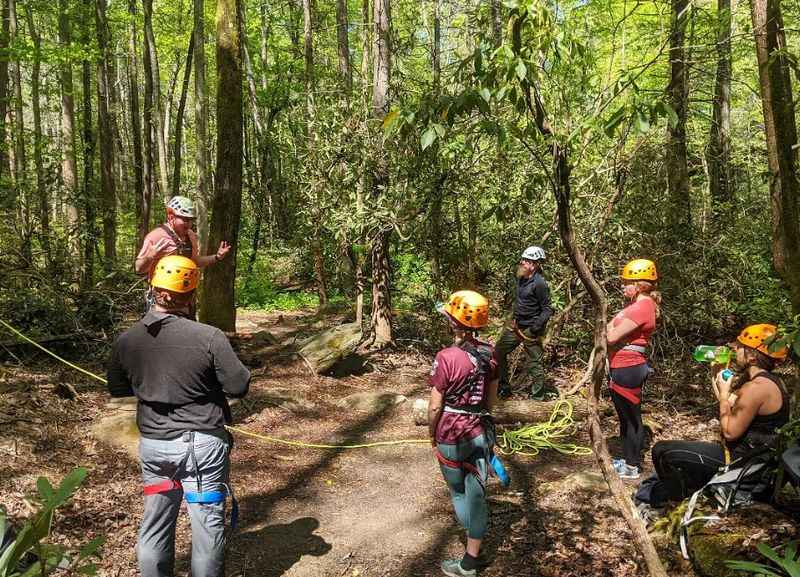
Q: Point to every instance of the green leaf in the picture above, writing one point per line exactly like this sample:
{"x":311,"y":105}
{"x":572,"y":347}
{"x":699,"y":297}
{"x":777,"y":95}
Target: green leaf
{"x":521,"y":70}
{"x":485,"y":94}
{"x":91,"y":547}
{"x":428,"y":137}
{"x":769,"y":552}
{"x":46,"y":491}
{"x":88,"y":569}
{"x":68,"y":486}
{"x":439,"y":130}
{"x":672,"y":116}
{"x":750,"y":567}
{"x":642,"y":123}
{"x":390,"y":120}
{"x":614,"y":121}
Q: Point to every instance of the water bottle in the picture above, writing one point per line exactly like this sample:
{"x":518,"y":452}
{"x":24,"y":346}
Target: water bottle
{"x":500,"y":471}
{"x":727,"y":374}
{"x":719,"y":355}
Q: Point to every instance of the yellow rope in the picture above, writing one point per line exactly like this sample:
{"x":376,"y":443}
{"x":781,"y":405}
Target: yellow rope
{"x":527,"y":440}
{"x":530,"y":439}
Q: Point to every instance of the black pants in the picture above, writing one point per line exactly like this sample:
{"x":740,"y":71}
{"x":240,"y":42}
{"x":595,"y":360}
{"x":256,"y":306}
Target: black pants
{"x":683,"y":467}
{"x":631,"y":429}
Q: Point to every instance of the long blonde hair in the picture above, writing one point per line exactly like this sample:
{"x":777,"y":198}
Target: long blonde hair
{"x":648,"y":288}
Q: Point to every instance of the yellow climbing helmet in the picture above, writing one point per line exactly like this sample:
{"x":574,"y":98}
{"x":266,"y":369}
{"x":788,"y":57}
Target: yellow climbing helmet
{"x":176,"y":273}
{"x":467,"y":308}
{"x":755,"y":336}
{"x":640,"y":269}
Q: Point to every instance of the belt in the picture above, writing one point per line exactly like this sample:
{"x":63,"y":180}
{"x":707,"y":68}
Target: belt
{"x":634,"y":349}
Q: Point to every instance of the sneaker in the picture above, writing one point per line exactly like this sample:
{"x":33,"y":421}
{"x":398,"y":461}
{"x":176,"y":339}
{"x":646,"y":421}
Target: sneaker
{"x":617,"y":463}
{"x":628,"y":472}
{"x":452,"y":568}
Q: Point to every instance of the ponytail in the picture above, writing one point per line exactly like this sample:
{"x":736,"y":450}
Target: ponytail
{"x":648,"y":288}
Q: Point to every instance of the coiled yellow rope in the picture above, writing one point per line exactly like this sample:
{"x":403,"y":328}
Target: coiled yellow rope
{"x":531,"y":439}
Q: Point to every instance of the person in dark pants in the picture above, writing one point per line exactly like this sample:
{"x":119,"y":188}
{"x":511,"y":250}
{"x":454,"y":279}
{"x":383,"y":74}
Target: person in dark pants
{"x":180,"y":371}
{"x":749,"y":420}
{"x":463,"y":386}
{"x":628,"y":336}
{"x":532,"y":310}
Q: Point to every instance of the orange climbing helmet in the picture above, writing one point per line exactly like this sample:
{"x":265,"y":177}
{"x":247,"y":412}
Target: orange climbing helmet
{"x":755,"y":337}
{"x":176,"y":273}
{"x":640,"y":269}
{"x":467,"y":308}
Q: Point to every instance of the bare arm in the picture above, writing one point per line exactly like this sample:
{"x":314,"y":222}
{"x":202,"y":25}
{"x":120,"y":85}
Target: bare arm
{"x":735,"y":418}
{"x":434,"y":413}
{"x":153,"y":252}
{"x":616,"y":334}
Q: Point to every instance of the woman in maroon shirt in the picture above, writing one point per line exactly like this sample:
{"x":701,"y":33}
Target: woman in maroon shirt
{"x":463,"y":387}
{"x":628,"y":336}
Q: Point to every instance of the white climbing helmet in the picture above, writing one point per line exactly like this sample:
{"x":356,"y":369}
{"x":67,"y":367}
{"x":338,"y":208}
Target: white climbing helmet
{"x":533,"y":253}
{"x":182,"y":206}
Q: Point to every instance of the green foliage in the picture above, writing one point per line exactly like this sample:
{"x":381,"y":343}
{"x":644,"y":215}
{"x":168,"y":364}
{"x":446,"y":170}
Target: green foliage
{"x":786,"y":565}
{"x":30,"y":542}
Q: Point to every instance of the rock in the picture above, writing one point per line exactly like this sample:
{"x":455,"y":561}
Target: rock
{"x":371,"y":401}
{"x":118,"y":429}
{"x":289,"y":399}
{"x":245,"y":326}
{"x":263,"y":337}
{"x":586,"y":480}
{"x":66,"y":391}
{"x":321,"y":351}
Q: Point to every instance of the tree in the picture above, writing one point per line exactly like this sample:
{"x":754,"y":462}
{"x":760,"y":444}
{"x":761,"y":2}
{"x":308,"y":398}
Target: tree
{"x":143,"y":194}
{"x":217,"y":302}
{"x":781,"y":134}
{"x":381,"y":321}
{"x":105,"y":112}
{"x":200,"y":121}
{"x":345,"y":72}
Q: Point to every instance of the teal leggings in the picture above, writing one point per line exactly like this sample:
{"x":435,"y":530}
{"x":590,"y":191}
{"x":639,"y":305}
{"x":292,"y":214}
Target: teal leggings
{"x":467,"y":490}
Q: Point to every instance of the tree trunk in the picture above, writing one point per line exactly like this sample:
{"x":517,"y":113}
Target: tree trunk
{"x":201,"y":122}
{"x":497,"y":25}
{"x":20,"y":156}
{"x":69,"y":166}
{"x":38,"y":145}
{"x":345,"y":73}
{"x":150,"y":115}
{"x":156,"y":113}
{"x":105,"y":131}
{"x":719,"y":145}
{"x":679,"y":212}
{"x":142,"y":193}
{"x":781,"y":134}
{"x":436,"y":52}
{"x":381,"y":278}
{"x":4,"y":37}
{"x":177,"y":155}
{"x":89,"y":194}
{"x":366,"y":45}
{"x":218,"y":305}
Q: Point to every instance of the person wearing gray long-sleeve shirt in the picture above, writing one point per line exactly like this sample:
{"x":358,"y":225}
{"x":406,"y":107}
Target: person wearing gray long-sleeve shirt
{"x":181,"y":372}
{"x":532,"y":310}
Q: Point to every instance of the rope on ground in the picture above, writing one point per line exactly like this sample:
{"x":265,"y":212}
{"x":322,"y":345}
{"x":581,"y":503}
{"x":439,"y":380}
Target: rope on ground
{"x":531,"y":439}
{"x":527,"y":440}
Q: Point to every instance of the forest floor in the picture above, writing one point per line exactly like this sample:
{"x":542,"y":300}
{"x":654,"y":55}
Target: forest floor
{"x":327,"y":513}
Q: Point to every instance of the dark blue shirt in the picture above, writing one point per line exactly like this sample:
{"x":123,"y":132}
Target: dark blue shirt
{"x":532,"y":308}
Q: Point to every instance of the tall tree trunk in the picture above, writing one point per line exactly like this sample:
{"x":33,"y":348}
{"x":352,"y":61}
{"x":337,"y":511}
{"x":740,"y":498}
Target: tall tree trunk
{"x":201,"y":121}
{"x":176,"y":173}
{"x":679,"y":213}
{"x":20,"y":156}
{"x":719,"y":145}
{"x":316,"y":217}
{"x":437,"y":47}
{"x":345,"y":73}
{"x":38,"y":144}
{"x":366,"y":46}
{"x":150,"y":118}
{"x":497,"y":26}
{"x":143,"y":194}
{"x":156,"y":112}
{"x":218,"y":305}
{"x":89,"y":196}
{"x":69,"y":166}
{"x":105,"y":130}
{"x":381,"y":278}
{"x":4,"y":37}
{"x":781,"y":134}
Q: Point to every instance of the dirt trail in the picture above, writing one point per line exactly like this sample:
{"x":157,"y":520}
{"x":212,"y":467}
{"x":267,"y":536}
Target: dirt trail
{"x":303,"y":513}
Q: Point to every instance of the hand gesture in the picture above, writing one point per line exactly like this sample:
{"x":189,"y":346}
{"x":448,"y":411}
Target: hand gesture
{"x":154,"y":251}
{"x":223,"y":250}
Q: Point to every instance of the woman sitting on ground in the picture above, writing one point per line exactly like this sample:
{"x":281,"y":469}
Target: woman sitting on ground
{"x":749,"y":420}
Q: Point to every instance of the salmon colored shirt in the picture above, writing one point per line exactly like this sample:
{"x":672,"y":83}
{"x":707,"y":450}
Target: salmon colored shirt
{"x":643,"y":313}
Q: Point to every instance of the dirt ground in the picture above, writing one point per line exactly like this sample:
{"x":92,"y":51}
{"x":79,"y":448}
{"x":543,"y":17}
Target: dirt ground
{"x":323,"y":513}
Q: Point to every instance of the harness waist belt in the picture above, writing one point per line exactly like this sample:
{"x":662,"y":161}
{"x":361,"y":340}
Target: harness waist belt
{"x":467,"y":410}
{"x":206,"y":497}
{"x":634,"y":349}
{"x":467,"y":466}
{"x":162,"y":487}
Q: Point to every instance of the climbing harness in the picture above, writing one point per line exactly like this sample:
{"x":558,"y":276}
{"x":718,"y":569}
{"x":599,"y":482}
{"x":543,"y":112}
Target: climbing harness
{"x":531,"y":439}
{"x":634,"y":349}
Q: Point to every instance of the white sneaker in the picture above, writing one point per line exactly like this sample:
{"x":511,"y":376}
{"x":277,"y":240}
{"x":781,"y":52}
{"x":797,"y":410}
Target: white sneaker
{"x":628,"y":472}
{"x":619,"y":466}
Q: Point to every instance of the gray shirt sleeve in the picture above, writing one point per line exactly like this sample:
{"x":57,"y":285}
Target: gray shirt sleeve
{"x":233,"y":376}
{"x":119,"y":385}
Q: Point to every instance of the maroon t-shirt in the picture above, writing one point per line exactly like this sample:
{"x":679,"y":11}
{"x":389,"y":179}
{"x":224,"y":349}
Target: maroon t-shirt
{"x":452,"y":371}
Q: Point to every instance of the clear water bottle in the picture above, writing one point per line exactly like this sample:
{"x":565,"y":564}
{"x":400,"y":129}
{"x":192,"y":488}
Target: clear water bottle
{"x":712,"y":354}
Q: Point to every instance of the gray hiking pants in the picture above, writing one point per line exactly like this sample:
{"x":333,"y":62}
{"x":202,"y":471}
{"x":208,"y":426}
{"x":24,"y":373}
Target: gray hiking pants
{"x":467,"y":490}
{"x":207,"y":471}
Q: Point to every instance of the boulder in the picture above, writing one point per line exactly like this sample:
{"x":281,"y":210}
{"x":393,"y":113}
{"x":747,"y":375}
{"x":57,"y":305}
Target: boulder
{"x":371,"y":401}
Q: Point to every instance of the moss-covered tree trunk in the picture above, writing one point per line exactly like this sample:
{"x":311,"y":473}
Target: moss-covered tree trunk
{"x":217,"y":303}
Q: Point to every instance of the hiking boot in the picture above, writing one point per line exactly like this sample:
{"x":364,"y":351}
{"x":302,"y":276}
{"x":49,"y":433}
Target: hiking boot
{"x":628,"y":472}
{"x":452,"y":568}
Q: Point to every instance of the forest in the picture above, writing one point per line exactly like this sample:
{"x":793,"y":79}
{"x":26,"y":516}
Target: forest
{"x":364,"y":159}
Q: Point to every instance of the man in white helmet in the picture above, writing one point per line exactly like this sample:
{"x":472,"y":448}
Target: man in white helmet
{"x":532,"y":310}
{"x":176,"y":236}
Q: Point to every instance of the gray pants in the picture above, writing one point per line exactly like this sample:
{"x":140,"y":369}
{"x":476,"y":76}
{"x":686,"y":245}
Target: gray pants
{"x":165,"y":460}
{"x":467,"y":491}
